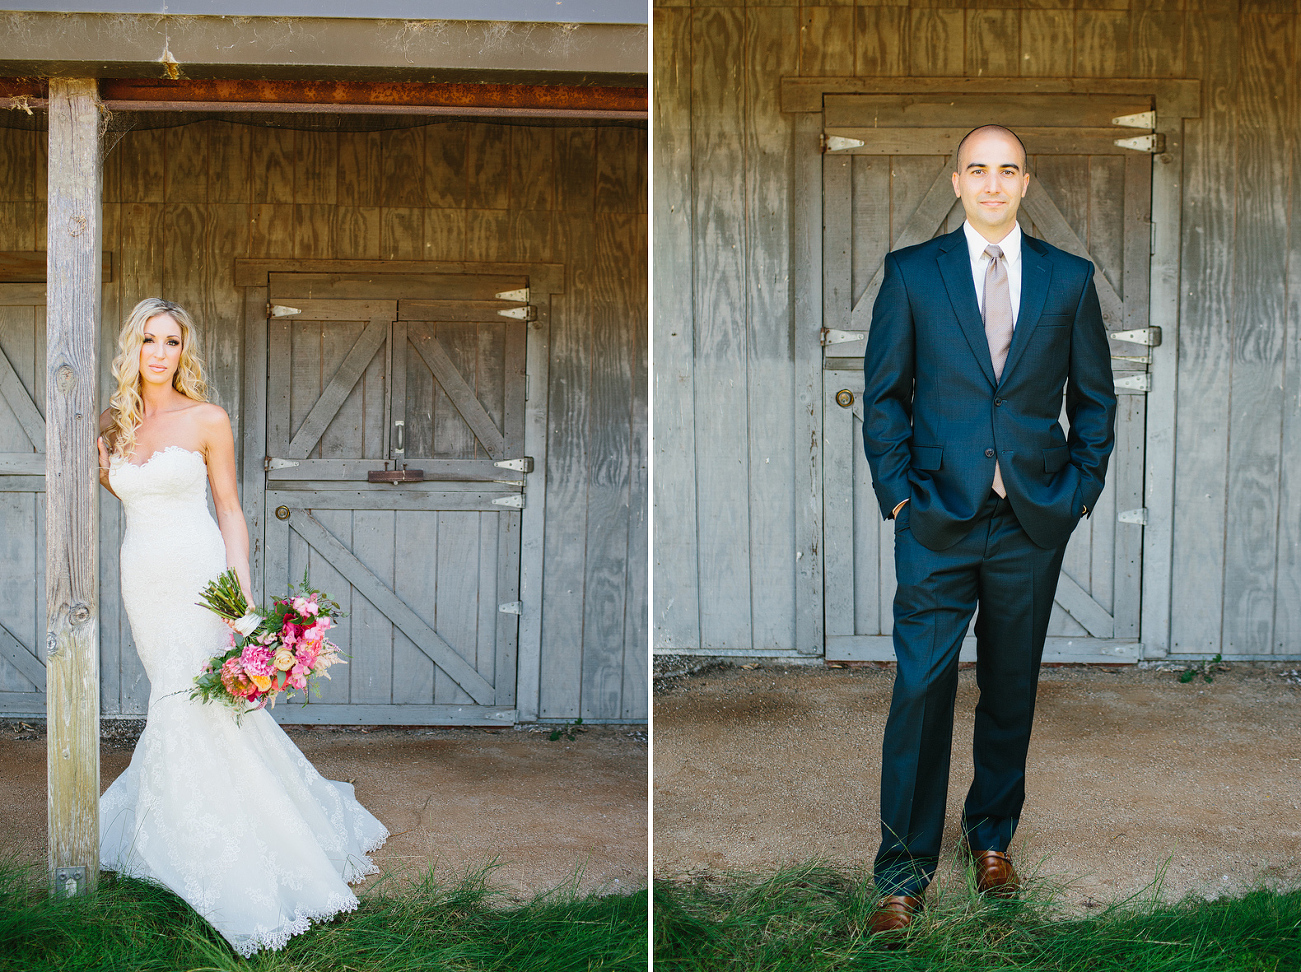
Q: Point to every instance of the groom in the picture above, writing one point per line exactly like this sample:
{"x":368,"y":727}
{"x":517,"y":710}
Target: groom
{"x":975,"y":337}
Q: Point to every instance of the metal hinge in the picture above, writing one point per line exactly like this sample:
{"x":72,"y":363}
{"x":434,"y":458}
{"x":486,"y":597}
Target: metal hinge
{"x":831,"y":335}
{"x":272,"y":463}
{"x":1138,"y":516}
{"x":1152,"y":144}
{"x":1150,"y":336}
{"x":511,"y":607}
{"x":280,"y":310}
{"x":521,"y":295}
{"x":526,"y":313}
{"x":838,"y":143}
{"x":516,"y":501}
{"x":1144,"y":119}
{"x":1134,"y":383}
{"x":524,"y":465}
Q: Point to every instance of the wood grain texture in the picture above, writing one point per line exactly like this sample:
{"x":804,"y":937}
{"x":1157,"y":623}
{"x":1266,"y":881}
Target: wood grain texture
{"x":1266,"y":107}
{"x":72,"y":477}
{"x":1047,"y":43}
{"x":770,"y":37}
{"x":1102,"y":43}
{"x":609,"y":471}
{"x":935,"y":42}
{"x":569,"y":409}
{"x":677,"y":578}
{"x":1205,"y":353}
{"x":826,"y":42}
{"x":993,"y":43}
{"x":721,"y":412}
{"x":881,"y":41}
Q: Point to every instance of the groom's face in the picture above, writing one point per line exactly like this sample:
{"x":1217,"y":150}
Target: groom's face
{"x":991,"y":181}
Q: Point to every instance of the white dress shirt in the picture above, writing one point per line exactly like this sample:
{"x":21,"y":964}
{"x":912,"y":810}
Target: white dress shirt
{"x":1011,"y":247}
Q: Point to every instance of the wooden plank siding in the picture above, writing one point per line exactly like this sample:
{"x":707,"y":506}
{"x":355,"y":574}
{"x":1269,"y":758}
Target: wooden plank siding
{"x":733,"y":343}
{"x":182,"y":204}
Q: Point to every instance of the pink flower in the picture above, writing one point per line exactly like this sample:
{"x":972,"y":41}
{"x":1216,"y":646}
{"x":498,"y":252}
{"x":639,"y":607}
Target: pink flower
{"x":236,"y":680}
{"x":307,"y":652}
{"x":306,"y":606}
{"x":257,"y":659}
{"x":297,"y":681}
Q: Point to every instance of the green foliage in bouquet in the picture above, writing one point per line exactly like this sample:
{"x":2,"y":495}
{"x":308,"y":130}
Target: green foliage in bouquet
{"x":225,"y":598}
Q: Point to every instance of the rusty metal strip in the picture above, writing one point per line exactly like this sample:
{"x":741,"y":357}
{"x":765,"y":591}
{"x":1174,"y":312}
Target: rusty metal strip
{"x":379,"y":97}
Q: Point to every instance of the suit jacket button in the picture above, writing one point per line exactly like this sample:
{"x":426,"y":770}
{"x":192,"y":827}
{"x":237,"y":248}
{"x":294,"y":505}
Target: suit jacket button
{"x":998,"y":402}
{"x":989,"y":453}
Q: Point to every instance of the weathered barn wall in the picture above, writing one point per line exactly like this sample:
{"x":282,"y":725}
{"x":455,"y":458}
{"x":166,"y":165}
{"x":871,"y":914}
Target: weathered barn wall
{"x":730,"y":468}
{"x":182,"y":203}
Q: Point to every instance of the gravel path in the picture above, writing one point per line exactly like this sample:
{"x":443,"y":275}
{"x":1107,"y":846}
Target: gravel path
{"x":455,"y":799}
{"x":1130,"y":772}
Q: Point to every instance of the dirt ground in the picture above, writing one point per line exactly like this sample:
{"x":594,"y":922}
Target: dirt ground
{"x":454,"y":799}
{"x":1130,"y":772}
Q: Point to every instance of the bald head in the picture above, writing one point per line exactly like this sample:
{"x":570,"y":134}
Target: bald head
{"x":981,"y":137}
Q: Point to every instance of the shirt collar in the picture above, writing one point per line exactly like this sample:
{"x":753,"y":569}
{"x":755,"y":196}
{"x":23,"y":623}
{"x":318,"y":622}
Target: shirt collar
{"x":1010,"y":244}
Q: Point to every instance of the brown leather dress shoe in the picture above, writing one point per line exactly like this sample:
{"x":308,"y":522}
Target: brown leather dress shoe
{"x":995,"y":875}
{"x":894,"y":913}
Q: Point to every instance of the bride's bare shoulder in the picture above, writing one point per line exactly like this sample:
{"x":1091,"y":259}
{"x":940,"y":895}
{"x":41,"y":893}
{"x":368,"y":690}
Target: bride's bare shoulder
{"x":209,"y":415}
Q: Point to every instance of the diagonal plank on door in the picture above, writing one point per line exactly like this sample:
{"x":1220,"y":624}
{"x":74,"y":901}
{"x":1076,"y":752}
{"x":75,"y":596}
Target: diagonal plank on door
{"x":1080,"y":605}
{"x":13,"y":392}
{"x":12,"y":651}
{"x":921,"y":226}
{"x":393,"y":607}
{"x":1039,"y":206}
{"x":461,"y":394}
{"x":340,"y":386}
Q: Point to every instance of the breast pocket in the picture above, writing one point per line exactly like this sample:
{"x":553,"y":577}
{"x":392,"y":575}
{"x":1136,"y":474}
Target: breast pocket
{"x":1055,"y":320}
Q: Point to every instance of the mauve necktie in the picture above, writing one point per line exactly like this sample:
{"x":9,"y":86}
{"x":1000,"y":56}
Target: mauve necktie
{"x":998,"y":325}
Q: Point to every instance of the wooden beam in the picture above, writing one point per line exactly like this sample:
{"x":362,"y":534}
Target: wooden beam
{"x":72,"y":480}
{"x":546,"y":278}
{"x":232,"y":94}
{"x":28,"y":266}
{"x":1179,"y":97}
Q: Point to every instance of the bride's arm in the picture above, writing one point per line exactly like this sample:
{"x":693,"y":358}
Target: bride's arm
{"x":105,"y":423}
{"x":220,"y":453}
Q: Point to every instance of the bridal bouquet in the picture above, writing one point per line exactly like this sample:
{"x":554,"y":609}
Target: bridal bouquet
{"x":270,"y":653}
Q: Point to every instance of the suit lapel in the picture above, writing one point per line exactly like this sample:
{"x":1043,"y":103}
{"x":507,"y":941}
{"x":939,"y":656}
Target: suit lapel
{"x":955,"y":270}
{"x":1035,"y":274}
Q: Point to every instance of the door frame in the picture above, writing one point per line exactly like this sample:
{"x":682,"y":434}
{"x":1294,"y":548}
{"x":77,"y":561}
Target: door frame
{"x":1173,"y":100}
{"x":545,"y":280}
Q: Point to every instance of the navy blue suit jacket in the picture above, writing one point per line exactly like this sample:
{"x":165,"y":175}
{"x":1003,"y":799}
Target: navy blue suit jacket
{"x":934,"y":418}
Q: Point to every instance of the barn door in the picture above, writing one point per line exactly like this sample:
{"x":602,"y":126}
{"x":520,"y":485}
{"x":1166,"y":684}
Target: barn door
{"x":22,"y":498}
{"x":886,"y":184}
{"x":395,"y":422}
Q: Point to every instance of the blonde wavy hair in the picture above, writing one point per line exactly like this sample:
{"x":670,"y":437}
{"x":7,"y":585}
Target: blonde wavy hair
{"x":126,"y":405}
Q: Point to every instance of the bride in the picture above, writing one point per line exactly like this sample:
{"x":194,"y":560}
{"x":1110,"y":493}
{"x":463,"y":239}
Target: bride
{"x":230,"y":816}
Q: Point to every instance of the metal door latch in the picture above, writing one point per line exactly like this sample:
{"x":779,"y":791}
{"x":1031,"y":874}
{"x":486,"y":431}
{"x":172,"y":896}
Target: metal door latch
{"x":395,"y":476}
{"x":510,"y":607}
{"x":1138,"y":516}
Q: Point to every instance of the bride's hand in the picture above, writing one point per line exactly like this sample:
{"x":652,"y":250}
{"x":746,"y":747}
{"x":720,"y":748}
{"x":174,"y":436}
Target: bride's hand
{"x":103,"y":455}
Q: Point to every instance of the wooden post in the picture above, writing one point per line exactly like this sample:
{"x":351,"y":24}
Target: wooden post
{"x":73,"y":280}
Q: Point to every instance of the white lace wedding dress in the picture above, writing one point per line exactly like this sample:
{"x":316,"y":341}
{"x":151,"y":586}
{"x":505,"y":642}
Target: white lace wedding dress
{"x":231,"y":817}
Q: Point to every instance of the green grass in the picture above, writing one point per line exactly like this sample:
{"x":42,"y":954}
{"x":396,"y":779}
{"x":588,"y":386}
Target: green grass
{"x":813,"y":918}
{"x":133,"y":925}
